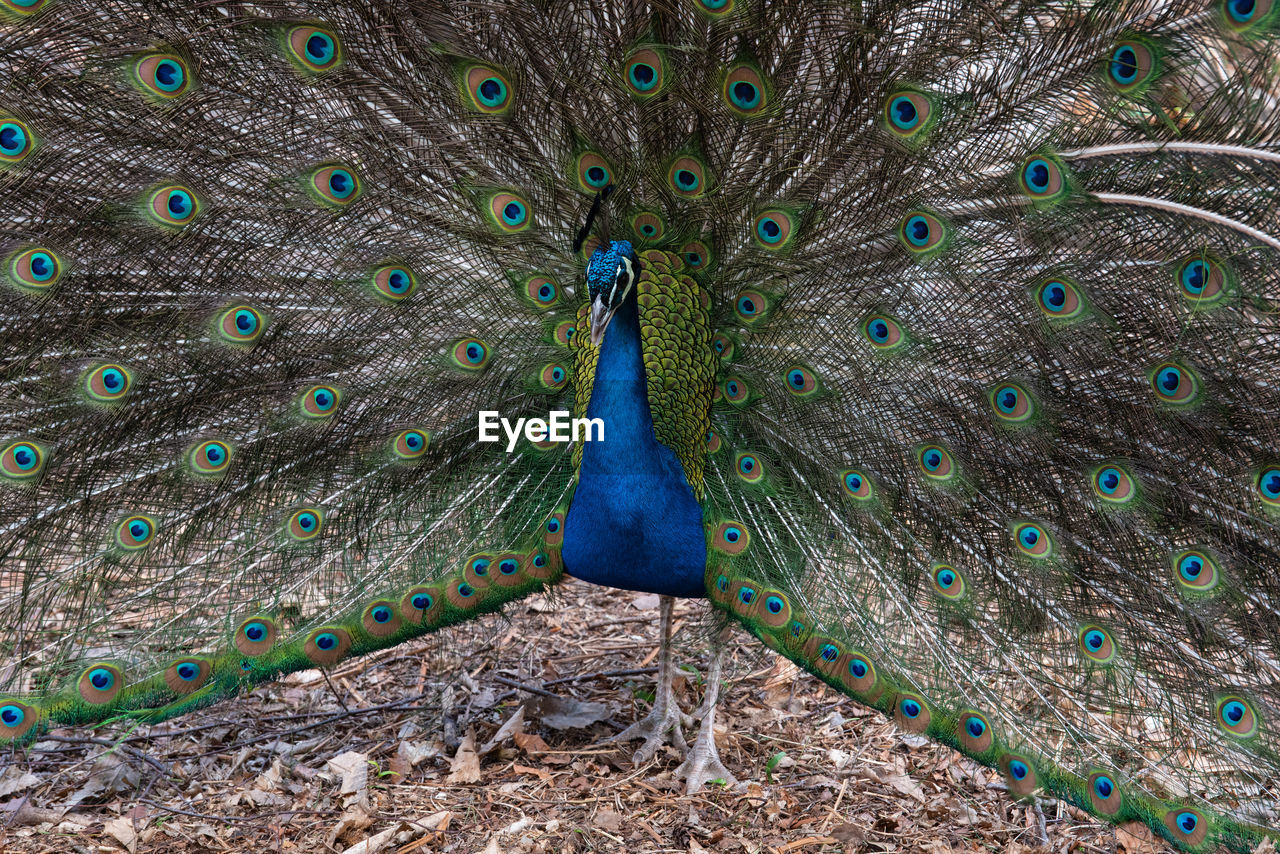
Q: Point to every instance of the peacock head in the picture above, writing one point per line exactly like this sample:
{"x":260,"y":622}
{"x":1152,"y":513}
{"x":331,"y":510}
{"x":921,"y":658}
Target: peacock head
{"x":611,"y":272}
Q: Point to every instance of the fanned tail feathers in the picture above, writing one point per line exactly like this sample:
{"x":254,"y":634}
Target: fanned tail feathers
{"x":995,"y":291}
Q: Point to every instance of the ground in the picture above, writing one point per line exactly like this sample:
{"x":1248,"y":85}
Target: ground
{"x":486,"y":739}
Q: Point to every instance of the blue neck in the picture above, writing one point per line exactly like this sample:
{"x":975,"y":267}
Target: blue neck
{"x":634,"y":522}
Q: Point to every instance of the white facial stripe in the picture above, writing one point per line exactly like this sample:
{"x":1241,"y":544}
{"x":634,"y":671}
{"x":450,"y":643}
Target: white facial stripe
{"x":622,"y":280}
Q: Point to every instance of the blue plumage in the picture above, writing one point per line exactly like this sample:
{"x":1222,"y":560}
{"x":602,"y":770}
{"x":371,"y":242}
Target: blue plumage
{"x":634,"y":522}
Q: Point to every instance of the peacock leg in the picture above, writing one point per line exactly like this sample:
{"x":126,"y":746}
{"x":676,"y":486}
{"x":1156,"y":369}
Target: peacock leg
{"x":702,"y":765}
{"x":665,"y":722}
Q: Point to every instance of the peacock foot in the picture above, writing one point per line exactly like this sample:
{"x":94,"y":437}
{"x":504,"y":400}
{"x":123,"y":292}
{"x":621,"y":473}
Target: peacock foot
{"x":664,"y":724}
{"x":703,"y":765}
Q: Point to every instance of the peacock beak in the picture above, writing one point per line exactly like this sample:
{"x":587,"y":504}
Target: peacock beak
{"x":601,"y":314}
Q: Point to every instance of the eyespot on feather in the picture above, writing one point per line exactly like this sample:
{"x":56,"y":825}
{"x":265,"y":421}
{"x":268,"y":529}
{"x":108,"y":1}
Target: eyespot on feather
{"x":911,"y":713}
{"x":948,"y":582}
{"x":856,"y":484}
{"x":543,"y":566}
{"x":100,"y":683}
{"x":883,"y":332}
{"x":319,"y":402}
{"x":974,"y":732}
{"x":744,"y":596}
{"x":507,"y":570}
{"x":1203,"y":280}
{"x":714,"y":8}
{"x":1174,"y":384}
{"x":541,"y":291}
{"x":478,"y":570}
{"x":644,"y":73}
{"x":801,"y":381}
{"x":19,"y":9}
{"x":774,"y":608}
{"x":393,"y":282}
{"x":1238,"y":717}
{"x":187,"y":675}
{"x":421,"y":606}
{"x":563,"y":332}
{"x":553,"y":530}
{"x":17,"y":140}
{"x":509,"y":212}
{"x":1033,"y":540}
{"x":410,"y":444}
{"x":1267,"y":485}
{"x":734,"y":390}
{"x":935,"y":463}
{"x":922,"y":233}
{"x":908,"y":114}
{"x":1113,"y":484}
{"x":687,"y":177}
{"x":305,"y":524}
{"x":17,"y":718}
{"x":744,"y":91}
{"x":1105,"y":793}
{"x":327,"y":645}
{"x":107,"y":384}
{"x":381,"y":619}
{"x":255,"y":636}
{"x":1043,"y":179}
{"x":334,"y":185}
{"x":697,"y":255}
{"x":463,"y":595}
{"x":553,"y":376}
{"x":211,"y":458}
{"x":1060,"y":299}
{"x":172,"y":206}
{"x":648,"y":226}
{"x":772,"y":229}
{"x":823,"y":654}
{"x":1248,"y":16}
{"x":161,"y":76}
{"x":1187,"y":824}
{"x":1019,"y":773}
{"x":1097,"y":644}
{"x":1196,"y":571}
{"x":21,"y":461}
{"x":35,"y":270}
{"x":751,"y":307}
{"x":858,"y":674}
{"x":241,"y":324}
{"x":313,"y":49}
{"x":1012,"y":403}
{"x":749,"y":467}
{"x":135,"y":532}
{"x":470,"y":354}
{"x":487,"y":89}
{"x":731,"y":537}
{"x":1132,"y":66}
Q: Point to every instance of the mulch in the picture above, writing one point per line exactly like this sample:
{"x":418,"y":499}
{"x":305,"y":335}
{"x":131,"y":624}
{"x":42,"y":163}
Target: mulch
{"x":488,"y":739}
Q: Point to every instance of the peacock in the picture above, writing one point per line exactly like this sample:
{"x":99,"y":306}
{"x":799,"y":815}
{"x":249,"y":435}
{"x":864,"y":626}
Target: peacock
{"x":936,"y":343}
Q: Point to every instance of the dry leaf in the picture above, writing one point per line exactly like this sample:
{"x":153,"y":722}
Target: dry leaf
{"x":513,"y":726}
{"x":121,"y":829}
{"x":15,"y":780}
{"x":465,"y":767}
{"x":378,"y":842}
{"x":567,"y":713}
{"x":353,"y":767}
{"x":1137,"y":838}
